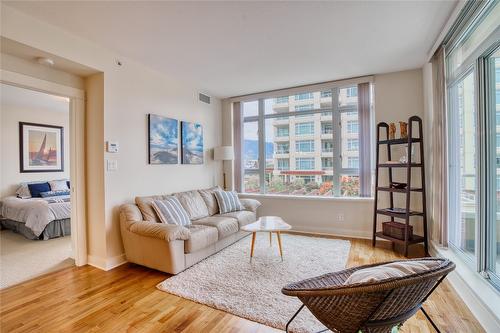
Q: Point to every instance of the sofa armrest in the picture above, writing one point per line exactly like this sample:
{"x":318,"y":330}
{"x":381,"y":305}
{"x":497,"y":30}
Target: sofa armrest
{"x":250,"y":204}
{"x":167,"y":232}
{"x":131,"y":220}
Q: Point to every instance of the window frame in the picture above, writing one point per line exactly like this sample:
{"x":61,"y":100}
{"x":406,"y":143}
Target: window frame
{"x":476,"y":60}
{"x":327,"y":111}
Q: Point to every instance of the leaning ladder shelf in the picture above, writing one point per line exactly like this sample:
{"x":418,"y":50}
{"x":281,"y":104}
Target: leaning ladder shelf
{"x":406,"y":213}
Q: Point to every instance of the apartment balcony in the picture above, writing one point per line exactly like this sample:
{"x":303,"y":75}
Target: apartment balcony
{"x":326,"y":152}
{"x":327,"y":136}
{"x":304,"y":136}
{"x":327,"y":168}
{"x":281,"y":154}
{"x":281,"y":121}
{"x":305,"y":154}
{"x":327,"y":115}
{"x":281,"y":138}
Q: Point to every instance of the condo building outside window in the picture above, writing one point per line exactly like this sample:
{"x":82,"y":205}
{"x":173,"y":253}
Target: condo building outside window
{"x":302,"y":144}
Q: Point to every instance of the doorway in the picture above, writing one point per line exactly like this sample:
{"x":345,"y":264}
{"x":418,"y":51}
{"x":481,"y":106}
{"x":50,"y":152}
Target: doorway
{"x":57,"y":239}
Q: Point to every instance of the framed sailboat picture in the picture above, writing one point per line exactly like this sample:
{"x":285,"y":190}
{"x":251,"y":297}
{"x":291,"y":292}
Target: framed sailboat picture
{"x":41,"y":147}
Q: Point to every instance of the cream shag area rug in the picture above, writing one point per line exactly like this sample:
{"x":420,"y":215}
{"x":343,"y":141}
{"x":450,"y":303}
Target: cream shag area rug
{"x":229,"y":282}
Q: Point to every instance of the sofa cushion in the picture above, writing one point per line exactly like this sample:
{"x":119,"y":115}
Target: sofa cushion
{"x":193,"y":203}
{"x":144,"y":204}
{"x":210,"y":200}
{"x":170,"y":211}
{"x":225,"y":225}
{"x":244,"y":217}
{"x":201,"y":236}
{"x":228,"y":201}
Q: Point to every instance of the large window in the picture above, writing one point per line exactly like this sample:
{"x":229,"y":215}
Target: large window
{"x":352,"y":126}
{"x":282,"y":148}
{"x":283,"y":164}
{"x":304,"y":163}
{"x":473,"y":88}
{"x":304,"y":146}
{"x":313,"y":130}
{"x":493,"y":232}
{"x":304,"y":128}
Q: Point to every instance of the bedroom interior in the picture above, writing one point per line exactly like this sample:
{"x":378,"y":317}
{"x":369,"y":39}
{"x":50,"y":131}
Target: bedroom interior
{"x":248,"y":166}
{"x":35,"y":205}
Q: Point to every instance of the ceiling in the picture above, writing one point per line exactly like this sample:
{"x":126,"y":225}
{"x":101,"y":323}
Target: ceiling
{"x":9,"y":46}
{"x":234,"y":48}
{"x":19,"y":98}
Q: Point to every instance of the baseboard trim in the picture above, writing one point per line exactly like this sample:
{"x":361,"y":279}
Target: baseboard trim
{"x":461,"y":280}
{"x":347,"y":233}
{"x":107,"y":264}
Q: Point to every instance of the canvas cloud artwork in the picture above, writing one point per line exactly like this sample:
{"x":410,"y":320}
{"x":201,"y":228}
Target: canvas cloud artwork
{"x":163,"y":140}
{"x":192,"y":143}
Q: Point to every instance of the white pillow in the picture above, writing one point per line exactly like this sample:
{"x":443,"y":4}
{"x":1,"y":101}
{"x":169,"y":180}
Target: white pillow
{"x":58,"y":185}
{"x":170,"y":211}
{"x":228,"y":201}
{"x":23,"y":191}
{"x":391,"y":270}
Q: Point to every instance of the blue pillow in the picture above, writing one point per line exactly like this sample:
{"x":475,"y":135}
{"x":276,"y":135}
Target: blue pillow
{"x":37,"y":188}
{"x":54,"y":193}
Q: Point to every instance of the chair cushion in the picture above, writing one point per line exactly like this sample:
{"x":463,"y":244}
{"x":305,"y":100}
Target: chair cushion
{"x":244,"y":217}
{"x":170,"y":211}
{"x":225,"y":225}
{"x":193,"y":203}
{"x":210,"y":200}
{"x":228,"y":201}
{"x":391,"y":270}
{"x":201,"y":237}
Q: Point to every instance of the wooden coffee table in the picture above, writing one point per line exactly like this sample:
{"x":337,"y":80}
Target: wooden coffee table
{"x":267,"y":224}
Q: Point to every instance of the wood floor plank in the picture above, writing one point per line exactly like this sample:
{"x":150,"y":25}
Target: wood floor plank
{"x":125,"y":299}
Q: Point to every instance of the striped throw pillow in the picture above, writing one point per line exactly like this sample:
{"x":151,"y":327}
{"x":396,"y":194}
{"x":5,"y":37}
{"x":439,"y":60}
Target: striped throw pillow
{"x":170,"y":211}
{"x":228,"y":201}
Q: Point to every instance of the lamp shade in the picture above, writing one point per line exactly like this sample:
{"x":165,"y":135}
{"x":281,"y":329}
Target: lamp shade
{"x":224,"y":153}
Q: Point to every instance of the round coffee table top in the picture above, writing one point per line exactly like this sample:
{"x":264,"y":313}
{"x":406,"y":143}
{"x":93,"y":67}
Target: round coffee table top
{"x":267,"y":223}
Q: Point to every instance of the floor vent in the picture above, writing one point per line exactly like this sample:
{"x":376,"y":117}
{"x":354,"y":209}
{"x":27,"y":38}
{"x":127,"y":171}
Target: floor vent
{"x":204,"y":98}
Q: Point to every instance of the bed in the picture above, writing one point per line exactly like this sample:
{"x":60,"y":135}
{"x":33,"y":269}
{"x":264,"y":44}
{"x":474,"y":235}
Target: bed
{"x":37,"y":218}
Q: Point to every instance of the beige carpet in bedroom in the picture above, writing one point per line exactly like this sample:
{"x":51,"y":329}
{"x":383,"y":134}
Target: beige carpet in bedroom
{"x":22,"y":259}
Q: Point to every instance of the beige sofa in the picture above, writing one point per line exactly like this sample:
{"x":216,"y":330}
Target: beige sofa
{"x":172,"y":248}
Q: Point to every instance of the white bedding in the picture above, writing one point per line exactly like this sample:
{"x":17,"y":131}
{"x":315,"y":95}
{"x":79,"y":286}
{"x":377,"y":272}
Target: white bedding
{"x":36,"y":213}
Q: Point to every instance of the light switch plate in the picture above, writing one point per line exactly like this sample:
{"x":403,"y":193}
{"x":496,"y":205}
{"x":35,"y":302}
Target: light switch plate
{"x":112,"y":165}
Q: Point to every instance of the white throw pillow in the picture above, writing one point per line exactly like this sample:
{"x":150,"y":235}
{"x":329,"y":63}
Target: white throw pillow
{"x":228,"y":201}
{"x":391,"y":270}
{"x":170,"y":211}
{"x":58,"y":185}
{"x":23,"y":191}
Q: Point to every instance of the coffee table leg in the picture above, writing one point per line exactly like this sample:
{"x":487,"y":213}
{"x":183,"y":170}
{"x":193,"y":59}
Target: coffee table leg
{"x":279,"y":243}
{"x":270,"y":238}
{"x":253,"y":244}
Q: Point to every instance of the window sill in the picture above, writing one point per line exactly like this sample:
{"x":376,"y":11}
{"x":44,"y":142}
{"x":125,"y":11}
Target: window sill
{"x":306,"y":197}
{"x":479,"y":295}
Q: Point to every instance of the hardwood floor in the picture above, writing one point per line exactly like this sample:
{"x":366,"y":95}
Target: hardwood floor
{"x":125,"y":299}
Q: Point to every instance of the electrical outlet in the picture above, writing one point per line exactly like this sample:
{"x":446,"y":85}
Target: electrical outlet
{"x":340,"y":217}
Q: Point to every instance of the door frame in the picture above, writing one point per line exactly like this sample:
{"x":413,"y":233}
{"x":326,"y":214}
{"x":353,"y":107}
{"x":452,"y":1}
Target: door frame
{"x":77,"y":152}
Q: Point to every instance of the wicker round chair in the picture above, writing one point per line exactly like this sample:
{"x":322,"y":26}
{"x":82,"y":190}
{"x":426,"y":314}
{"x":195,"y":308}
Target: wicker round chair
{"x":368,"y":307}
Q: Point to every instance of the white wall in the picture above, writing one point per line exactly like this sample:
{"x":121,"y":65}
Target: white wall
{"x":130,"y":93}
{"x":397,"y":97}
{"x":11,"y":113}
